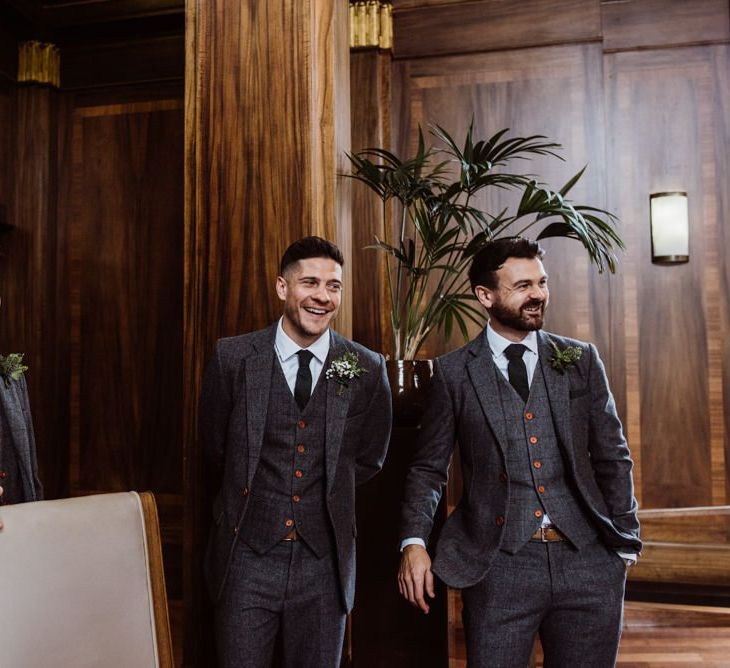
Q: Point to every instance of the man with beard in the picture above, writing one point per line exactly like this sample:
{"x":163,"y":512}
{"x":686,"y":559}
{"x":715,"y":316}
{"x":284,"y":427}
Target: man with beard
{"x":292,"y":417}
{"x":547,"y":523}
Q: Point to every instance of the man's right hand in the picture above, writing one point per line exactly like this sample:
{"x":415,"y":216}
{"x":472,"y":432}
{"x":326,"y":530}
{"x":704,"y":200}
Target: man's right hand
{"x":415,"y":577}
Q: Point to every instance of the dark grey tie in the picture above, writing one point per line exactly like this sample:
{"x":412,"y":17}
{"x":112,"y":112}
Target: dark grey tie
{"x":516,"y":369}
{"x":303,"y":386}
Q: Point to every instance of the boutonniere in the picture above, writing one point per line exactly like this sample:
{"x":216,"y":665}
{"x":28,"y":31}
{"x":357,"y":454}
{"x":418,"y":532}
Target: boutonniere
{"x":344,"y":369}
{"x":560,"y":360}
{"x":12,"y":367}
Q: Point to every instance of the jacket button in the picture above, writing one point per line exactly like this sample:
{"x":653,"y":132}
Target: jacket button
{"x":244,"y":491}
{"x":537,"y":464}
{"x":541,"y":489}
{"x":538,"y":513}
{"x":301,"y":424}
{"x":300,"y":448}
{"x":298,"y":474}
{"x":289,"y":523}
{"x":503,"y":476}
{"x":529,"y":416}
{"x":499,"y":520}
{"x":533,"y":439}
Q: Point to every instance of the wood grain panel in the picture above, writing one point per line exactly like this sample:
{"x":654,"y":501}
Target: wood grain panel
{"x":159,"y":59}
{"x":32,"y":275}
{"x":5,"y":134}
{"x":512,"y":89}
{"x":8,"y":55}
{"x":660,"y":23}
{"x":491,"y":25}
{"x":674,"y":309}
{"x":267,"y":121}
{"x":126,"y":286}
{"x":370,"y":77}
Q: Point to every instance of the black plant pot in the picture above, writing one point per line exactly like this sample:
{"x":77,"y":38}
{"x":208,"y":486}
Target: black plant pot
{"x":387,"y":631}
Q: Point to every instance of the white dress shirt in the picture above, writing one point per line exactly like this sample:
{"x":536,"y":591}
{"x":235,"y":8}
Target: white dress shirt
{"x":286,"y":351}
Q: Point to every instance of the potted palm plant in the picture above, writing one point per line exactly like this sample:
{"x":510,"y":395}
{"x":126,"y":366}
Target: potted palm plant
{"x":441,"y":225}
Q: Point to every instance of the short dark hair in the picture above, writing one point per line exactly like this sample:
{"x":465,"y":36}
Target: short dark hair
{"x":486,"y":263}
{"x":308,"y":247}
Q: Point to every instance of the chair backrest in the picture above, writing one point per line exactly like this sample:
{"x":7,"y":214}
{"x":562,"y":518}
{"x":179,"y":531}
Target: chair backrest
{"x":81,"y":584}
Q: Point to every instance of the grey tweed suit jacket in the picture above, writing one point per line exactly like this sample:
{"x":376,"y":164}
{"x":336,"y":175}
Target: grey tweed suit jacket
{"x":233,"y":409}
{"x":464,"y":407}
{"x":17,"y":433}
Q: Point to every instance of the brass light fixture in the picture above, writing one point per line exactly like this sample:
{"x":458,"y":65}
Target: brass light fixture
{"x":669,"y":227}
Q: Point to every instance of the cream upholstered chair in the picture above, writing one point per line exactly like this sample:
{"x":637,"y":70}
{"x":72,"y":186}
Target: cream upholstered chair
{"x":81,"y":584}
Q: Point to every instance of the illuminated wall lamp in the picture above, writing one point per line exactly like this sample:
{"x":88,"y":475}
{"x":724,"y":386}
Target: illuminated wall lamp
{"x":669,"y":228}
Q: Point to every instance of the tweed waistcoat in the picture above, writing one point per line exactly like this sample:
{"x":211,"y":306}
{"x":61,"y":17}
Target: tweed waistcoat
{"x":288,"y":488}
{"x":10,"y":470}
{"x":539,"y":482}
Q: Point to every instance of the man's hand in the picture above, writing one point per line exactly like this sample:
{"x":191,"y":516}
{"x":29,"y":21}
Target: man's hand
{"x":415,"y":577}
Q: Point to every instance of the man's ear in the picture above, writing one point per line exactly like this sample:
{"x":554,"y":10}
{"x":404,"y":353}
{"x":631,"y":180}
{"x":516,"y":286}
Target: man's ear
{"x":281,"y":287}
{"x":484,"y":295}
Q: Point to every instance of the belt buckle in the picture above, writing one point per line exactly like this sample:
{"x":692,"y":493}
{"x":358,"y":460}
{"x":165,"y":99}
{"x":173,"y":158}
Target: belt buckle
{"x":543,"y":537}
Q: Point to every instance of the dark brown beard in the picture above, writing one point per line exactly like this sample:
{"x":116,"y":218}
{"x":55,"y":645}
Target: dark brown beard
{"x":514,"y":319}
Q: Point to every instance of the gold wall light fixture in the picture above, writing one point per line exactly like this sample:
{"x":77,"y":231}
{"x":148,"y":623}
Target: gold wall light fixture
{"x":669,"y":227}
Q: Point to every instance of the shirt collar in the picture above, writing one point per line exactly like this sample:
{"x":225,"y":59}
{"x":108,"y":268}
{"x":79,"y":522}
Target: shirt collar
{"x":286,"y":348}
{"x":498,"y":343}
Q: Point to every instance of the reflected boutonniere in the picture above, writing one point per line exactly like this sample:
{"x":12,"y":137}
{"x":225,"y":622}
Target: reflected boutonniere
{"x":344,"y":369}
{"x":560,"y":360}
{"x":12,"y":367}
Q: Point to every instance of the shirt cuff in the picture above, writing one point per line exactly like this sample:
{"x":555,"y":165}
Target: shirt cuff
{"x":411,"y":541}
{"x":629,"y":557}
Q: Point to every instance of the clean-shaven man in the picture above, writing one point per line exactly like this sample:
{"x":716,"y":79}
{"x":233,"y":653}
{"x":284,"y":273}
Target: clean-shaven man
{"x":293,"y":418}
{"x":547,"y":522}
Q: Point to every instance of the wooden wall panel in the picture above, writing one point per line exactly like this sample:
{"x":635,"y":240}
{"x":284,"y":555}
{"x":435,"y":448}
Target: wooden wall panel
{"x":32,"y":275}
{"x":5,"y":133}
{"x":661,"y":23}
{"x":513,"y":89}
{"x":370,"y":78}
{"x":668,"y":121}
{"x":158,"y":59}
{"x":126,"y":297}
{"x":484,"y":25}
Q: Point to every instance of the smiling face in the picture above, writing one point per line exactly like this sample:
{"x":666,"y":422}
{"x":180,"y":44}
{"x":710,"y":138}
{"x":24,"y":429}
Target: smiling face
{"x":311,"y":290}
{"x":518,"y":303}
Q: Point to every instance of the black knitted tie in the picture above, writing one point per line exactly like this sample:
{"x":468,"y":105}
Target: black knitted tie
{"x":517,"y":370}
{"x":303,"y":386}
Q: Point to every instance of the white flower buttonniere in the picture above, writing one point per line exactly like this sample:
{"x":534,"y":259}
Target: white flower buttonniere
{"x":344,"y":369}
{"x":12,"y":367}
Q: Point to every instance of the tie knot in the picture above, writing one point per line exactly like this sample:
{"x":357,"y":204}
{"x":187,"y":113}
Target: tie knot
{"x":514,"y":351}
{"x":305,"y":357}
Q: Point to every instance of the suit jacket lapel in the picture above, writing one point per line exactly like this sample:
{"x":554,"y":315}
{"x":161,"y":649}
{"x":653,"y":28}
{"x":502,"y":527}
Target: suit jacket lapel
{"x":482,"y":373}
{"x":259,"y":364}
{"x":337,"y":405}
{"x":558,"y":391}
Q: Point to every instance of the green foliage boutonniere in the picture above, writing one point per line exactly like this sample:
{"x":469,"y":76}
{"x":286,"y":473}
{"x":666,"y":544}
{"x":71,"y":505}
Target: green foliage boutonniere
{"x":12,"y":367}
{"x":344,"y":369}
{"x":562,"y":359}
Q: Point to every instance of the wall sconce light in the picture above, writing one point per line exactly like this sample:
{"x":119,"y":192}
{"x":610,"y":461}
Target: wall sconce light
{"x":669,"y":228}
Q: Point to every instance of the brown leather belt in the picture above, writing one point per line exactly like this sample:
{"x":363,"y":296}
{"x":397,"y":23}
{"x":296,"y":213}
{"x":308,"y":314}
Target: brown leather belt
{"x":292,"y":535}
{"x":548,"y":534}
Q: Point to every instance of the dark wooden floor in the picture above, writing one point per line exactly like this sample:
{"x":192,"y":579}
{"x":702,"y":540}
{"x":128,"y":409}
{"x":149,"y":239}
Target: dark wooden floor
{"x":665,"y":636}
